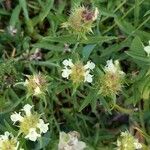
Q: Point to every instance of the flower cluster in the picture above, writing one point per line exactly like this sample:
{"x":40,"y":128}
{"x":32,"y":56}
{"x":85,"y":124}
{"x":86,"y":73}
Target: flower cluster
{"x":8,"y":142}
{"x":111,"y":80}
{"x":36,"y":85}
{"x":70,"y":141}
{"x":30,"y":124}
{"x":127,"y":142}
{"x":81,"y":20}
{"x":78,"y":72}
{"x":147,"y":49}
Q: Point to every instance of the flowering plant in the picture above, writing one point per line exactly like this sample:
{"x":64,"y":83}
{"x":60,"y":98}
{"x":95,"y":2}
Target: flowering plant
{"x":31,"y":125}
{"x":74,"y":75}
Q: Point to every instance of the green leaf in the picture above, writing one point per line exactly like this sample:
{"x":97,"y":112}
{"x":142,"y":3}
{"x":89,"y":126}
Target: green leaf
{"x":62,"y":39}
{"x":15,"y":16}
{"x":15,"y":101}
{"x":87,"y":50}
{"x":137,"y":52}
{"x":147,"y":13}
{"x":43,"y":141}
{"x":142,"y":59}
{"x":48,"y":46}
{"x":23,"y":4}
{"x":4,"y":12}
{"x":106,"y":13}
{"x":105,"y":104}
{"x":9,"y":128}
{"x":92,"y":96}
{"x":44,"y":13}
{"x":125,"y":26}
{"x":44,"y":63}
{"x":137,"y":46}
{"x":98,"y":39}
{"x":28,"y":21}
{"x":72,"y":39}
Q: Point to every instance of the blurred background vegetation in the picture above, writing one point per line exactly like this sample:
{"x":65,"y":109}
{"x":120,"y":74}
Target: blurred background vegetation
{"x":32,"y":41}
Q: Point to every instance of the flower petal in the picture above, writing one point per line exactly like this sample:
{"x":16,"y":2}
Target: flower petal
{"x":16,"y":117}
{"x":37,"y":91}
{"x":42,"y":126}
{"x":66,"y":72}
{"x":67,"y":63}
{"x":110,"y":67}
{"x":80,"y":146}
{"x":88,"y":77}
{"x":147,"y":50}
{"x":96,"y":12}
{"x":32,"y":135}
{"x":27,"y":109}
{"x":90,"y":65}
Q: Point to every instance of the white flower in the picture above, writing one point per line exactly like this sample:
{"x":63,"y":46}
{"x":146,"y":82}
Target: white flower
{"x":42,"y":126}
{"x":110,"y":67}
{"x":147,"y":49}
{"x":113,"y":67}
{"x":78,"y":72}
{"x":8,"y":141}
{"x":37,"y":91}
{"x":137,"y":144}
{"x":95,"y":14}
{"x":90,"y":65}
{"x":15,"y":117}
{"x":30,"y":123}
{"x":67,"y":63}
{"x":63,"y":139}
{"x":69,"y":141}
{"x":27,"y":109}
{"x":118,"y":143}
{"x":88,"y":77}
{"x":123,"y":134}
{"x":80,"y":145}
{"x":66,"y":72}
{"x":127,"y":141}
{"x":32,"y":135}
{"x":5,"y":136}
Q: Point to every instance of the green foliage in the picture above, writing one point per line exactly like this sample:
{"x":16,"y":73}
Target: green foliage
{"x":33,"y":41}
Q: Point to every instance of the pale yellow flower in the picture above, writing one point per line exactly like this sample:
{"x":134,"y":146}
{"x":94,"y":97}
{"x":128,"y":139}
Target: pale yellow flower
{"x":30,"y":124}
